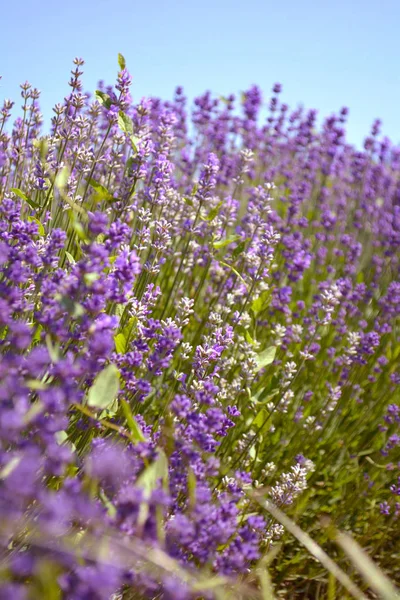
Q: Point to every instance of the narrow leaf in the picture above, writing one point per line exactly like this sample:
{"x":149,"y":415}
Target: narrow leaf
{"x":80,"y":231}
{"x":121,"y":61}
{"x":39,"y":224}
{"x":52,"y":349}
{"x":234,"y":271}
{"x":226,"y":241}
{"x":313,"y":548}
{"x":148,"y":481}
{"x":100,"y":189}
{"x":70,"y":258}
{"x":192,"y":485}
{"x":267,"y":591}
{"x":372,"y":574}
{"x":111,"y":510}
{"x":134,"y":142}
{"x":35,"y":409}
{"x":21,"y":195}
{"x":239,"y":249}
{"x":331,"y":587}
{"x":213,"y":212}
{"x":36,"y":384}
{"x":137,"y":433}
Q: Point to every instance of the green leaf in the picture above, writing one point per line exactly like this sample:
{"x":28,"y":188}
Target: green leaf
{"x":80,"y":231}
{"x":62,"y":178}
{"x":267,"y":590}
{"x":90,"y":278}
{"x":52,"y":349}
{"x":213,"y":212}
{"x":136,"y":432}
{"x":70,"y":258}
{"x":148,"y":481}
{"x":75,"y":208}
{"x":63,"y":438}
{"x":37,"y":336}
{"x":120,"y":308}
{"x":252,"y":452}
{"x":103,"y":98}
{"x":73,"y":308}
{"x":120,"y":343}
{"x":226,"y":241}
{"x":35,"y":409}
{"x":239,"y":249}
{"x":331,"y":591}
{"x":192,"y":485}
{"x":234,"y":271}
{"x":134,"y":142}
{"x":36,"y":384}
{"x":121,"y":61}
{"x":39,"y":224}
{"x":21,"y":195}
{"x":369,"y":570}
{"x":105,"y":388}
{"x":125,"y":123}
{"x":100,"y":190}
{"x":248,"y":338}
{"x":266,"y":357}
{"x":111,"y":510}
{"x":259,"y":303}
{"x":262,"y":397}
{"x":43,"y":147}
{"x":261,"y":417}
{"x":149,"y":478}
{"x":129,"y":163}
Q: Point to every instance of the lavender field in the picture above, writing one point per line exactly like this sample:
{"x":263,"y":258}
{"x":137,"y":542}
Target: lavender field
{"x":200,"y":350}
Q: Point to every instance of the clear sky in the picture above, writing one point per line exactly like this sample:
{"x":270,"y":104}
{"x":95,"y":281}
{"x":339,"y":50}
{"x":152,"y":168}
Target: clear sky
{"x":327,"y":54}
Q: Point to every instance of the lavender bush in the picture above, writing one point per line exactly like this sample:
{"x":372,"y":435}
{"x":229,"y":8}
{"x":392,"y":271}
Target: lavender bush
{"x":199,"y":315}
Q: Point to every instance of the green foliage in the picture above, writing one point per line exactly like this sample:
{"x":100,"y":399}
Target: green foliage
{"x":149,"y":480}
{"x":104,"y":390}
{"x":120,"y":343}
{"x":125,"y":123}
{"x":103,"y":98}
{"x":136,"y":432}
{"x":214,"y":212}
{"x":226,"y":241}
{"x":25,"y":198}
{"x":121,"y":62}
{"x":101,"y":191}
{"x":266,"y":357}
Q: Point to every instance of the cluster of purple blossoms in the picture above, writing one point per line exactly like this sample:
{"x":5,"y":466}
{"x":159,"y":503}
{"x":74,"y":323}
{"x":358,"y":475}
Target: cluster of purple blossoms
{"x":190,"y":304}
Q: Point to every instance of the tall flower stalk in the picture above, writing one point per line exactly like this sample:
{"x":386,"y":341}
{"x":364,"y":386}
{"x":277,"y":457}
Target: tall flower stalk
{"x":193,"y":306}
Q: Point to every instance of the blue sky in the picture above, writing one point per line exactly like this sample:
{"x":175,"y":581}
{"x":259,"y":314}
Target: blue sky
{"x":326,"y":54}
